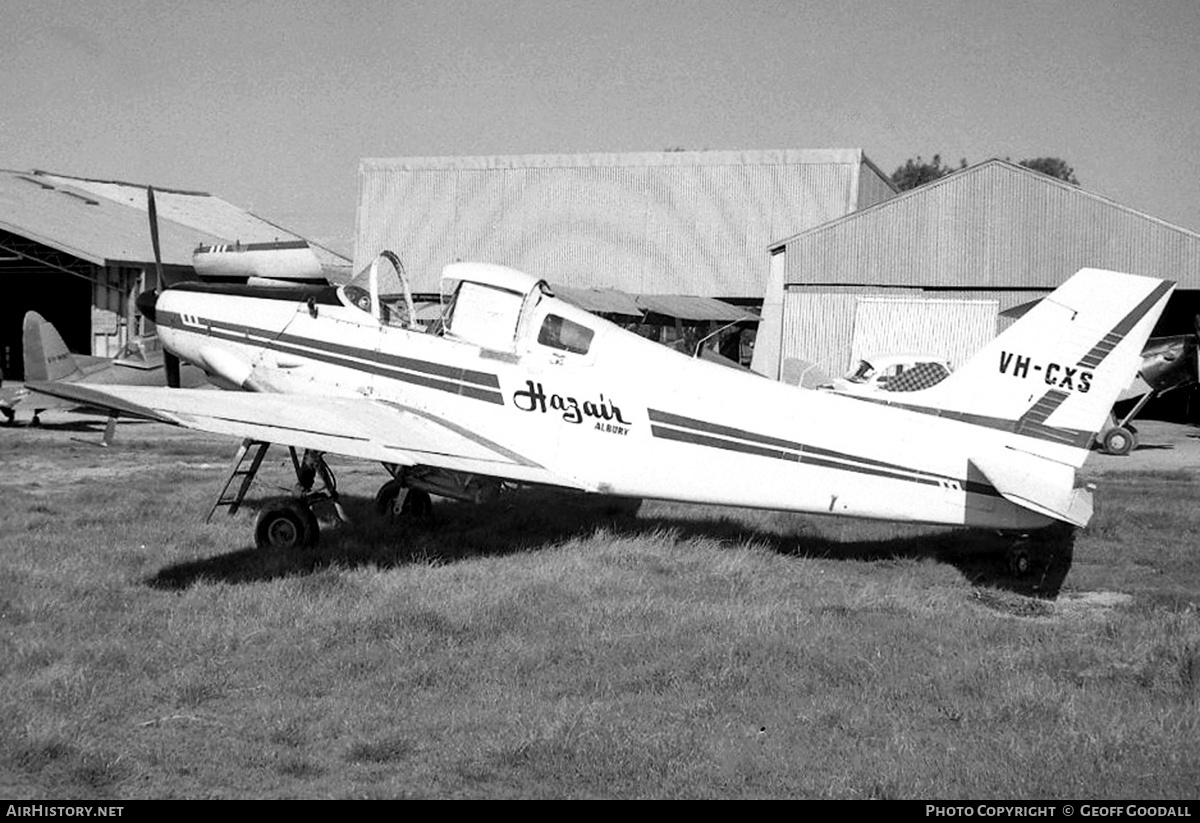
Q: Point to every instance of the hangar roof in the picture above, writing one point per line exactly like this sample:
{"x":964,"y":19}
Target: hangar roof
{"x":104,"y":221}
{"x":993,"y":225}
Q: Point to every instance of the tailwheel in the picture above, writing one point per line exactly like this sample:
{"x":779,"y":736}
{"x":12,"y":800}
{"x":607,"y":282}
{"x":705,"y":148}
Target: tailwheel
{"x":286,"y":525}
{"x":1120,"y":441}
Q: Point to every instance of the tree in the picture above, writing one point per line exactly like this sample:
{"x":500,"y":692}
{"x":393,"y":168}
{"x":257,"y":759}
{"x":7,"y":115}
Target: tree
{"x":917,"y":172}
{"x":1053,"y":166}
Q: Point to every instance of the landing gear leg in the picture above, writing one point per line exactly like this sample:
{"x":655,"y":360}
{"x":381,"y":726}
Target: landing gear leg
{"x":291,"y":524}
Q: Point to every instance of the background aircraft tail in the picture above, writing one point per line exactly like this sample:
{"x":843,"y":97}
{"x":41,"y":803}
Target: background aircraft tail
{"x":1054,"y":374}
{"x":46,"y":355}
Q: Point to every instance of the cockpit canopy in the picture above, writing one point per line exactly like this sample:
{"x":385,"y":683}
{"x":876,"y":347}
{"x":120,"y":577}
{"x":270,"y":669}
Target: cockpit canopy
{"x":381,"y":289}
{"x":483,"y":304}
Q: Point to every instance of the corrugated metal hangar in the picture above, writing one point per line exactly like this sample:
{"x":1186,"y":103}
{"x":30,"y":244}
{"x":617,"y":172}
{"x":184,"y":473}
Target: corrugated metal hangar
{"x":78,"y":251}
{"x":930,"y":271}
{"x":674,"y":222}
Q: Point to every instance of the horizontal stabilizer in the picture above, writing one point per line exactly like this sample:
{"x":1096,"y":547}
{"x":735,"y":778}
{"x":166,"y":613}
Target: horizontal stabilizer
{"x":1038,"y":484}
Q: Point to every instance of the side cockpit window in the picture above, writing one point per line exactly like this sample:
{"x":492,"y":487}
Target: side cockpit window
{"x":561,"y":333}
{"x":484,"y":315}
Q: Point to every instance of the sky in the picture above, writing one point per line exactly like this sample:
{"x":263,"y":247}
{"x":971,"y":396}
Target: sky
{"x":270,"y":104}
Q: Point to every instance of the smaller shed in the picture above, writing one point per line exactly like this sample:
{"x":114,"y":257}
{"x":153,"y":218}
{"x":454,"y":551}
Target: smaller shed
{"x":931,"y":270}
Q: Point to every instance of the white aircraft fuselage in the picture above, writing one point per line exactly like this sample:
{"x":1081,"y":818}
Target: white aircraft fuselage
{"x":604,"y":410}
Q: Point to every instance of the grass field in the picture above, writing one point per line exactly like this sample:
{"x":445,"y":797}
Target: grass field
{"x":553,"y":646}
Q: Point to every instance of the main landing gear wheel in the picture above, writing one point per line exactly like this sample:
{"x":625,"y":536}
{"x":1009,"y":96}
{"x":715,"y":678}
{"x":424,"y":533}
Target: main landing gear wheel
{"x":415,"y":502}
{"x":1019,"y":561}
{"x":418,"y":503}
{"x":286,"y":525}
{"x":1119,"y":441}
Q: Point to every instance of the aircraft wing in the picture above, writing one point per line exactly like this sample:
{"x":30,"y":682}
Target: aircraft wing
{"x":355,"y":427}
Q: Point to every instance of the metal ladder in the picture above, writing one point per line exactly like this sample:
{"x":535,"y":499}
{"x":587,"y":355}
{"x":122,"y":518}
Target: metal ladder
{"x":245,"y":465}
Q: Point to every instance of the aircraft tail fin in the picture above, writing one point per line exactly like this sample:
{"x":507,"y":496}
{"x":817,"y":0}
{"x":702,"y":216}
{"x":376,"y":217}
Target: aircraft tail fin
{"x":1052,"y":377}
{"x":46,"y":355}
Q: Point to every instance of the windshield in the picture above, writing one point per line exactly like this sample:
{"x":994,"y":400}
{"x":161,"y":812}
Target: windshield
{"x":395,"y":299}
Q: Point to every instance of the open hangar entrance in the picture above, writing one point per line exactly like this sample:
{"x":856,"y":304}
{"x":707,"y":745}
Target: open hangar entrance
{"x":56,"y":286}
{"x":90,"y":305}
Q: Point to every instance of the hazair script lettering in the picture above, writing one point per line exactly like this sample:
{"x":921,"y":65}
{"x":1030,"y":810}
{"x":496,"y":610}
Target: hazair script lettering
{"x":533,"y":398}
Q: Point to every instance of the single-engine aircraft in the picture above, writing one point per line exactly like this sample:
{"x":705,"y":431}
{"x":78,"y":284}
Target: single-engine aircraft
{"x":46,"y":357}
{"x":1168,"y":364}
{"x":516,"y":385}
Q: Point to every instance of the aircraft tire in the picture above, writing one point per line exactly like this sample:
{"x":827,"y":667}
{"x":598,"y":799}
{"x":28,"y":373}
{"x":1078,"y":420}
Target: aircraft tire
{"x":1019,"y":561}
{"x":385,"y":498}
{"x":1119,"y":441}
{"x":285,"y":526}
{"x":417,"y":504}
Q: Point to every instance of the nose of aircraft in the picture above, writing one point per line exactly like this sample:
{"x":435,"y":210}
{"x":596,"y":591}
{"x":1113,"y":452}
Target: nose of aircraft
{"x":145,"y":304}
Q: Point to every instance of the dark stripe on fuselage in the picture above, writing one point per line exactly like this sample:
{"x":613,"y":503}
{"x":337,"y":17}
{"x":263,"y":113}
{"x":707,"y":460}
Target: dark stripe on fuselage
{"x":714,"y":435}
{"x":473,"y":384}
{"x":718,"y":443}
{"x":1072,"y":437}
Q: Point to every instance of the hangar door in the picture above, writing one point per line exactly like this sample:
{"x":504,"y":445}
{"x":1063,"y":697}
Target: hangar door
{"x":954,"y":329}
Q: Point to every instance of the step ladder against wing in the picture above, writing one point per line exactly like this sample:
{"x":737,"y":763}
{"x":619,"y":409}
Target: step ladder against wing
{"x":289,"y":523}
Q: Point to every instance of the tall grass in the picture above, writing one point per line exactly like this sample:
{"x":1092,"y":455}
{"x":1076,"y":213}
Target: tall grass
{"x":551,"y":645}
